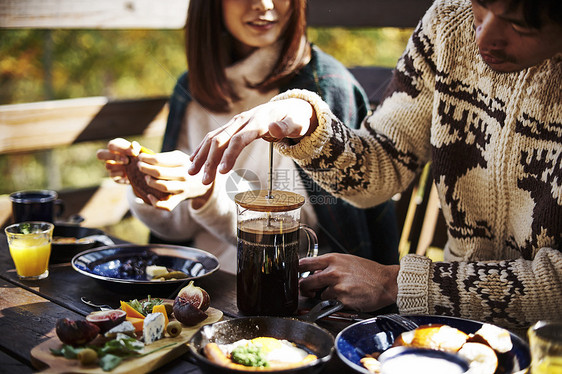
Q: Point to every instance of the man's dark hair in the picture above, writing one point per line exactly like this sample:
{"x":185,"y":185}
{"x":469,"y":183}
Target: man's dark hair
{"x":536,"y":12}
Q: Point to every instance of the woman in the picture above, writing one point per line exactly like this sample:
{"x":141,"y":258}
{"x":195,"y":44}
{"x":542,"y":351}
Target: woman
{"x":240,"y":54}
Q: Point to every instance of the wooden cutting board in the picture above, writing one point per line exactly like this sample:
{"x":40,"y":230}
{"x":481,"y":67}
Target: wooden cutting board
{"x":42,"y":357}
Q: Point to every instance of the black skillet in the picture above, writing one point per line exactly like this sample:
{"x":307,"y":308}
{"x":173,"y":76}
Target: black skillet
{"x":63,"y":252}
{"x":300,"y":330}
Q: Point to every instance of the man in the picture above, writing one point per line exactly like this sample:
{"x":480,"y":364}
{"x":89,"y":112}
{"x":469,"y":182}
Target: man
{"x":478,"y":92}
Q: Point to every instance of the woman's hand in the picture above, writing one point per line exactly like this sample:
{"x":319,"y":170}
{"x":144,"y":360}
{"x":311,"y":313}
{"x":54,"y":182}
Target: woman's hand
{"x":166,"y":171}
{"x":290,"y":118}
{"x":359,"y":283}
{"x":116,"y":156}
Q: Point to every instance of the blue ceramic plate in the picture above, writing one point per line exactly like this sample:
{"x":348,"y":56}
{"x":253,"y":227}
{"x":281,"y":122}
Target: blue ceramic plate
{"x":406,"y":357}
{"x":126,"y":263}
{"x":377,"y":335}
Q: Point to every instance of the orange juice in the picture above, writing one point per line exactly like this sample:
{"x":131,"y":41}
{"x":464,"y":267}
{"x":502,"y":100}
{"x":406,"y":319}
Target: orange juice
{"x":549,"y":365}
{"x":545,"y":340}
{"x":30,"y":255}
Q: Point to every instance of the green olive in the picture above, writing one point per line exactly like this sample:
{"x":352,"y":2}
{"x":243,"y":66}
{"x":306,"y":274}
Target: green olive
{"x":87,"y":356}
{"x":174,"y":329}
{"x":169,"y":308}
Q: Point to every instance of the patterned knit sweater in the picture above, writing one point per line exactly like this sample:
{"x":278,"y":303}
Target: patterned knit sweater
{"x":495,"y":143}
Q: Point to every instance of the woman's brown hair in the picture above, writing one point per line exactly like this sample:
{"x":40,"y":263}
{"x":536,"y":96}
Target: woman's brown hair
{"x":208,"y":48}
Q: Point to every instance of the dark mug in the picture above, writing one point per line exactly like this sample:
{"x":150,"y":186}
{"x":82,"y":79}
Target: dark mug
{"x":36,"y":205}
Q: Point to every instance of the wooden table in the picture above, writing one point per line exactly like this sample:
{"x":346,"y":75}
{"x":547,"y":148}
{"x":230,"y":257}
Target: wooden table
{"x":30,"y":309}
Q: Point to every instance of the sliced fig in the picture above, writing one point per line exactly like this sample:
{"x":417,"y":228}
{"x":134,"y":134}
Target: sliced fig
{"x":196,"y":296}
{"x":78,"y":332}
{"x":107,"y":319}
{"x":187,"y":313}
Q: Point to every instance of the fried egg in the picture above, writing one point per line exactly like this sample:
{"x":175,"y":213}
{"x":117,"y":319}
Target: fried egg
{"x":433,"y":336}
{"x":276,"y":351}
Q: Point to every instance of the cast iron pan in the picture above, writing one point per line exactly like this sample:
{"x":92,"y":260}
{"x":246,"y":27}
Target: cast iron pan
{"x":64,"y":252}
{"x":299,"y":330}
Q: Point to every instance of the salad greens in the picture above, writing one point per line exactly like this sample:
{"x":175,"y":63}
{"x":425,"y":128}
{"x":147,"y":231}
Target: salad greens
{"x":67,"y":351}
{"x":145,"y":307}
{"x":250,"y":355}
{"x":112,"y":353}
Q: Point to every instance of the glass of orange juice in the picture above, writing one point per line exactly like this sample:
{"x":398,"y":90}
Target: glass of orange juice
{"x":545,"y":340}
{"x":30,"y":248}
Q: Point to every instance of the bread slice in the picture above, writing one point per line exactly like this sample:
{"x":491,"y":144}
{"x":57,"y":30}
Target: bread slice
{"x":138,"y":181}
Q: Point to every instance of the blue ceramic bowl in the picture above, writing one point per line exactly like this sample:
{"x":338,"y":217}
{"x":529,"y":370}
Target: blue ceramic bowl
{"x":377,"y":335}
{"x":110,"y":265}
{"x":430,"y":360}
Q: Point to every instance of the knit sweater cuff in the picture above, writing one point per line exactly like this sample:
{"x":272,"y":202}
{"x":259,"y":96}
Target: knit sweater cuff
{"x":309,"y":146}
{"x":413,"y":285}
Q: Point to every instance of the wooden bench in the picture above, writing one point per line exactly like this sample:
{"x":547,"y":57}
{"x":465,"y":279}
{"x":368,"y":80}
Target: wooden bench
{"x":47,"y":125}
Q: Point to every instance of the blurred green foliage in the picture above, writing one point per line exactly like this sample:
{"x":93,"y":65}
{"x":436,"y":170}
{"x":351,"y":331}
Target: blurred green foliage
{"x":59,"y":64}
{"x":362,"y":47}
{"x":37,"y":65}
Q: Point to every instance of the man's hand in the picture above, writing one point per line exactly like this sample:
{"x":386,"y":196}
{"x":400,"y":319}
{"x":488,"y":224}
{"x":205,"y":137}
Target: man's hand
{"x":359,"y":283}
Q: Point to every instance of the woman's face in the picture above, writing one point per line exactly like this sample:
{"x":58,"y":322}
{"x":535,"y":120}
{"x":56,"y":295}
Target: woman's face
{"x":255,"y":23}
{"x":506,"y":43}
